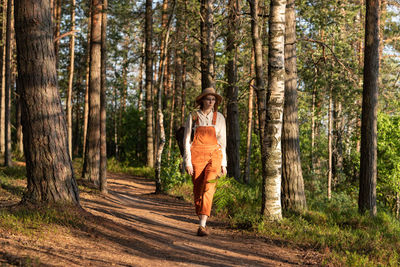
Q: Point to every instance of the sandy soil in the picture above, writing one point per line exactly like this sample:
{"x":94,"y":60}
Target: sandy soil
{"x":133,"y":227}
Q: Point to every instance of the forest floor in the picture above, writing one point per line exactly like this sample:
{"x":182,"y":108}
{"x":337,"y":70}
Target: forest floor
{"x":131,"y":226}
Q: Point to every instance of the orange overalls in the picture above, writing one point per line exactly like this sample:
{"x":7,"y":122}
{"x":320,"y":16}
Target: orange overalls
{"x":206,"y":160}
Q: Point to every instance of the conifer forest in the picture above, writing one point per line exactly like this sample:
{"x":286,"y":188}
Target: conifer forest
{"x":93,"y":93}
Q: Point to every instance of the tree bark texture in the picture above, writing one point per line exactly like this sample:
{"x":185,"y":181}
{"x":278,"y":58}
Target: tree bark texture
{"x":160,"y":115}
{"x":207,"y":43}
{"x":49,"y":167}
{"x":103,"y":102}
{"x":149,"y":83}
{"x":271,"y":199}
{"x":8,"y":86}
{"x":330,"y":154}
{"x":368,"y":162}
{"x":3,"y":10}
{"x":92,"y":156}
{"x":259,"y":69}
{"x":86,"y":104}
{"x":184,"y":71}
{"x":71,"y":78}
{"x":249,"y":121}
{"x":18,"y":123}
{"x":57,"y":27}
{"x":293,"y":196}
{"x":233,"y":133}
{"x":140,"y":100}
{"x":338,"y":121}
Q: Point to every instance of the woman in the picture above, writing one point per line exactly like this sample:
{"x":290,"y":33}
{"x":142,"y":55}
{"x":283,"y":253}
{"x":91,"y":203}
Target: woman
{"x":205,"y":156}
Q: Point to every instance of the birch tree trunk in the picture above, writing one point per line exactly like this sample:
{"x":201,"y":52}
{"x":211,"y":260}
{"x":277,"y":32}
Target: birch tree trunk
{"x":49,"y":167}
{"x":271,"y":199}
{"x":368,"y":162}
{"x":160,"y":115}
{"x":293,"y":196}
{"x":233,"y":132}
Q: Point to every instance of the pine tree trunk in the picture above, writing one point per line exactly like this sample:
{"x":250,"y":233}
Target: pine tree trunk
{"x":330,"y":154}
{"x":57,"y":27}
{"x":71,"y":78}
{"x":3,"y":9}
{"x":338,"y":121}
{"x":140,"y":100}
{"x":312,"y":156}
{"x":232,"y":90}
{"x":49,"y":167}
{"x":249,"y":121}
{"x":86,"y":104}
{"x":92,"y":156}
{"x":368,"y":162}
{"x":293,"y":196}
{"x":260,"y":87}
{"x":18,"y":122}
{"x":271,"y":200}
{"x":78,"y":118}
{"x":149,"y":83}
{"x":207,"y":43}
{"x":184,"y":71}
{"x":103,"y":102}
{"x":8,"y":86}
{"x":116,"y":139}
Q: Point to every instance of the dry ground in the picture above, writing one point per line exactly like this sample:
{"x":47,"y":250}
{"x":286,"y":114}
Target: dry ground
{"x":133,"y":227}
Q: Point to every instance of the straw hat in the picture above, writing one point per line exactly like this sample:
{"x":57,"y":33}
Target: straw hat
{"x":209,"y":91}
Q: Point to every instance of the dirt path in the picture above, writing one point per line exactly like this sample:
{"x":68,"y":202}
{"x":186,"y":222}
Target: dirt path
{"x":132,"y":227}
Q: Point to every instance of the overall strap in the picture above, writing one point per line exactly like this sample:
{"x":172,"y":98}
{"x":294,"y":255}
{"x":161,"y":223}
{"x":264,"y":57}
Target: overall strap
{"x":214,"y":121}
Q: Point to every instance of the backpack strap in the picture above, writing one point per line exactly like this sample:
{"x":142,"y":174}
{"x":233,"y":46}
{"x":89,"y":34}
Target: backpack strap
{"x":195,"y":118}
{"x":214,"y":121}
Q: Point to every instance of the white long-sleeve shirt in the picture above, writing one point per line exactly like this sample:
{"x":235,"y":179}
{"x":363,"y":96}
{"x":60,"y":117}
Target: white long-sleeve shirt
{"x":205,"y":120}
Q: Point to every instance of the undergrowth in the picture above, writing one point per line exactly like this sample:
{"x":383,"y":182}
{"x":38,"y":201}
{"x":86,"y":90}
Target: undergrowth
{"x":30,"y":219}
{"x":114,"y":165}
{"x":333,"y":227}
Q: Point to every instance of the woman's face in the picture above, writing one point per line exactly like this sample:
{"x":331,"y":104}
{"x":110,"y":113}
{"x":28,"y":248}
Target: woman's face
{"x":208,"y":102}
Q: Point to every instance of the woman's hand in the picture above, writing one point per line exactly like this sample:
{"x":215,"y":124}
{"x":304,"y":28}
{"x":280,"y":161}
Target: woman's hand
{"x":189,"y":170}
{"x":223,"y":170}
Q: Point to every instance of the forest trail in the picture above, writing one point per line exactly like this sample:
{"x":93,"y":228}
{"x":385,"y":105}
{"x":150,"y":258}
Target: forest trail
{"x":133,"y":227}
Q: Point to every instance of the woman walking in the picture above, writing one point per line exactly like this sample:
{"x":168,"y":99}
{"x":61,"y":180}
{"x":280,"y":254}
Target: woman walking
{"x":205,"y":156}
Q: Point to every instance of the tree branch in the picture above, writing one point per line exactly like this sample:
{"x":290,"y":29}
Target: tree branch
{"x":65,"y":34}
{"x":333,"y":54}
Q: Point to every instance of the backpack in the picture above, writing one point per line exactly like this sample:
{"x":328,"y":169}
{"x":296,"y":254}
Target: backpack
{"x":180,"y":133}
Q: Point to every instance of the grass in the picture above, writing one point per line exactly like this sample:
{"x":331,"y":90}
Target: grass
{"x":31,"y":219}
{"x":11,"y":180}
{"x":115,"y":166}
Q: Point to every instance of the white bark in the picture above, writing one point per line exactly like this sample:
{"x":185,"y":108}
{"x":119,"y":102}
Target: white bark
{"x":272,"y":208}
